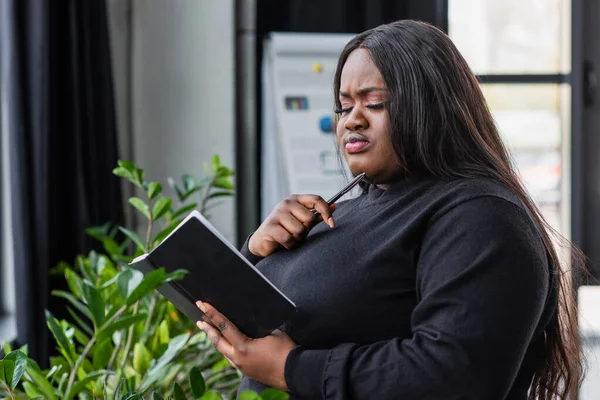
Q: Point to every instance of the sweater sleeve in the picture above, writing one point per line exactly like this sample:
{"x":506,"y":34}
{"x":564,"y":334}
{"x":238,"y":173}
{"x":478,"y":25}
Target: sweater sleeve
{"x":254,"y":259}
{"x":482,"y":283}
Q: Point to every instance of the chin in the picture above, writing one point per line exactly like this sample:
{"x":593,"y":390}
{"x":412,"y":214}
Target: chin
{"x":358,"y":168}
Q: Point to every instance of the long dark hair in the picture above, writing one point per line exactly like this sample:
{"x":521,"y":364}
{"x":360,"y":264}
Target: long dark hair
{"x":441,"y":126}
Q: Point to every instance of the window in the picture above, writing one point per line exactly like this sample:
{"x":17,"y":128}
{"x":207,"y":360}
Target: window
{"x":521,"y":52}
{"x":7,"y":294}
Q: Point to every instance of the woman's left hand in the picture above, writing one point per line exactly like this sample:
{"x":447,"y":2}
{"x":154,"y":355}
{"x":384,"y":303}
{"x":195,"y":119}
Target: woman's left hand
{"x":261,"y":359}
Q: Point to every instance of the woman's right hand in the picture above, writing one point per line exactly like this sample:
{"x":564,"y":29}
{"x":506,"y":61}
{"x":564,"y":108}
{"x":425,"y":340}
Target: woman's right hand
{"x":289,"y":223}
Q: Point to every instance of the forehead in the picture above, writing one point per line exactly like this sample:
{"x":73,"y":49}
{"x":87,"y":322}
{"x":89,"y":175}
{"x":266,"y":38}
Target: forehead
{"x":360,"y":71}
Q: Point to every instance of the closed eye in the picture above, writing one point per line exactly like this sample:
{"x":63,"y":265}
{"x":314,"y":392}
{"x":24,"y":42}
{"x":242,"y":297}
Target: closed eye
{"x":377,"y":106}
{"x":343,"y":111}
{"x":346,"y":110}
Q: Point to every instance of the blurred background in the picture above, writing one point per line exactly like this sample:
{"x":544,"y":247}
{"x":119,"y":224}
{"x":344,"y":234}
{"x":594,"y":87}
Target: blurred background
{"x":168,"y":84}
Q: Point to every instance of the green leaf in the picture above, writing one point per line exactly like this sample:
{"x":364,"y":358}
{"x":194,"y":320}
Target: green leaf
{"x":95,"y":303}
{"x":221,"y":193}
{"x":42,"y":383}
{"x":163,"y":332}
{"x":128,"y":165}
{"x":176,"y":275}
{"x":81,"y":337}
{"x":82,"y":324}
{"x":111,"y":246}
{"x":154,"y":188}
{"x":156,"y":396}
{"x":31,"y":391}
{"x":249,"y":395}
{"x":157,"y":370}
{"x":139,"y":177}
{"x":162,"y":206}
{"x":140,"y":205}
{"x":83,"y":264}
{"x":141,"y":358}
{"x":122,"y":172}
{"x":60,"y":336}
{"x":7,"y":347}
{"x":191,"y":192}
{"x":59,"y":269}
{"x":74,"y":301}
{"x":211,"y":395}
{"x":224,"y":171}
{"x":178,"y":392}
{"x":134,"y":237}
{"x":9,"y":368}
{"x":170,"y":374}
{"x":165,"y":232}
{"x":197,"y":383}
{"x":120,"y":323}
{"x":102,"y":352}
{"x":189,"y":182}
{"x":73,"y":281}
{"x":128,"y":280}
{"x":215,"y":164}
{"x":150,"y":282}
{"x":274,"y":394}
{"x":184,"y":210}
{"x":119,"y":389}
{"x":220,"y":365}
{"x":175,"y":188}
{"x":224,"y":183}
{"x":81,"y":384}
{"x":19,"y":360}
{"x":132,"y":396}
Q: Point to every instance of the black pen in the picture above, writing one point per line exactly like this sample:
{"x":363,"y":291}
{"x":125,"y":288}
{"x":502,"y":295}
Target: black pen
{"x":342,"y":192}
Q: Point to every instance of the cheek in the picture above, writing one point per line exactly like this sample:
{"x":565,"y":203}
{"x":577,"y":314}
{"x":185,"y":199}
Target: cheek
{"x":339,"y":133}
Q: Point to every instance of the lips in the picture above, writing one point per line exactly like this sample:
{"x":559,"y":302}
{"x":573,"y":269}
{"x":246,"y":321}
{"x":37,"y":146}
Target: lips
{"x":355,"y":143}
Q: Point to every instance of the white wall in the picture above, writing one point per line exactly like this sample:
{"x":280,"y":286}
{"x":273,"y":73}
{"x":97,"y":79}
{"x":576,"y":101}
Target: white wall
{"x":182,"y":88}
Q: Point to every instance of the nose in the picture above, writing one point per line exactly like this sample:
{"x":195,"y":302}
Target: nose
{"x":356,"y":120}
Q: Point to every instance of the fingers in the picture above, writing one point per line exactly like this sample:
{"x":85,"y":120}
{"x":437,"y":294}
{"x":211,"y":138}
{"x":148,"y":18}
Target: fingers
{"x":304,"y":215}
{"x":282,"y":236}
{"x":294,"y":225}
{"x":220,"y":343}
{"x":224,"y":328}
{"x":317,"y":203}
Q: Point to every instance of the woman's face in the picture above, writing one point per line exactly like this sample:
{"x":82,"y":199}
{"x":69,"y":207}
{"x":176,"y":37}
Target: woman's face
{"x":364,"y":130}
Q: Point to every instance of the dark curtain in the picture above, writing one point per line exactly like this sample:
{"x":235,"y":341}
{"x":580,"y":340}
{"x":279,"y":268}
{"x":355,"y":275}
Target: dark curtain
{"x":57,"y":89}
{"x":345,"y":16}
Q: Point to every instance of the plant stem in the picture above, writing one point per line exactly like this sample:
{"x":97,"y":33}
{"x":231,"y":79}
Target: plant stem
{"x":113,"y":356}
{"x":9,"y":391}
{"x":149,"y":318}
{"x":129,"y":336}
{"x":220,"y":375}
{"x":204,"y":198}
{"x":149,"y":233}
{"x":87,"y":349}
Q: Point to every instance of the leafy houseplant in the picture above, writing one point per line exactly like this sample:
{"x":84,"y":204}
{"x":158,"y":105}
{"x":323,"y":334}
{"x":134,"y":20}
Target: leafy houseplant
{"x":125,"y":341}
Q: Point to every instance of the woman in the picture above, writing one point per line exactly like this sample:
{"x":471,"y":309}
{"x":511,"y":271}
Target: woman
{"x":440,"y":281}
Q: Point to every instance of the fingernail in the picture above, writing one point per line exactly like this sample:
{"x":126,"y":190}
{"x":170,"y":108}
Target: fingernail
{"x":200,"y":325}
{"x":330,"y":222}
{"x":198,"y":303}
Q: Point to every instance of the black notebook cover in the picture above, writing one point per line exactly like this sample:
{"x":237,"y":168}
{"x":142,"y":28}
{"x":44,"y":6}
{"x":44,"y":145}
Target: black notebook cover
{"x":217,"y":274}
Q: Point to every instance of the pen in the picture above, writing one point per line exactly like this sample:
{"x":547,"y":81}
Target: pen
{"x":342,"y":192}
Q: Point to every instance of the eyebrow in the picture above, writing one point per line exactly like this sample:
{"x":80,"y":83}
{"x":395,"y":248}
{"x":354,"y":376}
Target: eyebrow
{"x":364,"y":91}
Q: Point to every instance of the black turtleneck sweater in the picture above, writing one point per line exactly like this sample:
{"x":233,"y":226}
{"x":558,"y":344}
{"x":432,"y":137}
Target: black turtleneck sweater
{"x":427,"y":290}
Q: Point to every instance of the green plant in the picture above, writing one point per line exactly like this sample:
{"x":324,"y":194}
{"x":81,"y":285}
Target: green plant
{"x":124,"y":340}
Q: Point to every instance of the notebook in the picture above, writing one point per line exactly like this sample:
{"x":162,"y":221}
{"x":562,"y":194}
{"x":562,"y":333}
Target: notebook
{"x":217,"y":274}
